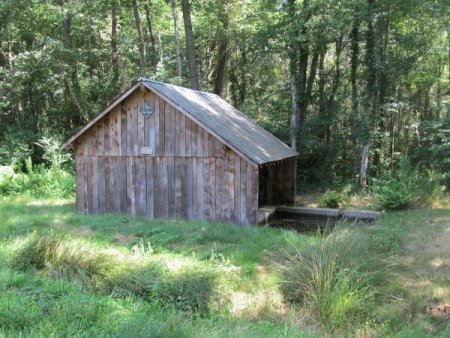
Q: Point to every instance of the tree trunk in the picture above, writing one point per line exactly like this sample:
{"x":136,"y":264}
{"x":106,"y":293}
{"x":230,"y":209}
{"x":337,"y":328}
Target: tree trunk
{"x":142,"y":45}
{"x":223,"y":52}
{"x":153,"y":56}
{"x":114,"y":52}
{"x":331,"y":103}
{"x":177,"y":42}
{"x":370,"y":90}
{"x":299,"y":56}
{"x":383,"y":87}
{"x":364,"y":162}
{"x":220,"y":79}
{"x":353,"y":76}
{"x":190,"y":46}
{"x":71,"y":89}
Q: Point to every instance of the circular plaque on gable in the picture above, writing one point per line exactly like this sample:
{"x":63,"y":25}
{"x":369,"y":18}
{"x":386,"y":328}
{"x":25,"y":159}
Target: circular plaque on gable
{"x":146,"y":109}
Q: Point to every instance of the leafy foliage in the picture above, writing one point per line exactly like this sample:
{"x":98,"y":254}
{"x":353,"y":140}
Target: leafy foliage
{"x":332,"y":199}
{"x":39,"y":182}
{"x":405,"y":188}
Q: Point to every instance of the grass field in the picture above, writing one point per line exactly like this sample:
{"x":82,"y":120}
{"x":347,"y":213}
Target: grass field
{"x":68,"y":275}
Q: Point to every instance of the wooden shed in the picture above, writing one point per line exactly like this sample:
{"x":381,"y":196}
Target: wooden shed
{"x":165,"y":151}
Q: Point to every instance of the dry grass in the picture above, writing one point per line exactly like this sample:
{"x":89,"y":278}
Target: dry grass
{"x":426,"y":254}
{"x":312,"y":200}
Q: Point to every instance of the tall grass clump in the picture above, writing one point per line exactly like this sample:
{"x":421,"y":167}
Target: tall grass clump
{"x":118,"y":273}
{"x":339,"y":280}
{"x":45,"y":180}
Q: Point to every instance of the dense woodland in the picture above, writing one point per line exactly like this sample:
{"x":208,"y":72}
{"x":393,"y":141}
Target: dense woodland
{"x":353,"y":85}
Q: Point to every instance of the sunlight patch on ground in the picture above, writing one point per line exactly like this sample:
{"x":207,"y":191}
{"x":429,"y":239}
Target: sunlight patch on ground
{"x":265,"y":304}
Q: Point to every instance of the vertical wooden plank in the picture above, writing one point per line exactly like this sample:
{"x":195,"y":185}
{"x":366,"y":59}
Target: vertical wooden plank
{"x":195,"y":199}
{"x":207,"y":193}
{"x":164,"y":187}
{"x":169,"y":131}
{"x":244,"y":197}
{"x":178,"y":186}
{"x":85,"y":184}
{"x":109,"y":186}
{"x":200,"y":140}
{"x":200,"y":183}
{"x":184,"y":195}
{"x":115,"y":171}
{"x":162,"y":126}
{"x":212,"y":187}
{"x":140,"y":122}
{"x":157,"y":127}
{"x":176,"y":128}
{"x":249,"y":193}
{"x":218,"y":149}
{"x":182,"y":135}
{"x":211,"y":142}
{"x":112,"y":132}
{"x":171,"y":185}
{"x":147,"y":98}
{"x":107,"y":144}
{"x":206,"y":143}
{"x":79,"y":183}
{"x":254,"y":207}
{"x":131,"y":188}
{"x":224,"y":190}
{"x":189,"y":188}
{"x":94,"y":137}
{"x":151,"y":125}
{"x":121,"y":185}
{"x":101,"y":185}
{"x":130,"y":135}
{"x":135,"y":126}
{"x":94,"y":175}
{"x":157,"y":188}
{"x":87,"y":143}
{"x":123,"y":131}
{"x":231,"y":177}
{"x":150,"y":192}
{"x":118,"y":131}
{"x":218,"y":190}
{"x":188,"y":128}
{"x":100,"y":138}
{"x":141,"y":186}
{"x":194,"y":138}
{"x":237,"y":190}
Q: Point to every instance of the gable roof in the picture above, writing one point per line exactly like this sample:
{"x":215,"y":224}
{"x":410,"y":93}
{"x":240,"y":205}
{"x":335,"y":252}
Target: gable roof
{"x":219,"y":118}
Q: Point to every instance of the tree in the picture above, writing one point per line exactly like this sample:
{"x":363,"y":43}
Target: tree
{"x":142,"y":44}
{"x":190,"y":46}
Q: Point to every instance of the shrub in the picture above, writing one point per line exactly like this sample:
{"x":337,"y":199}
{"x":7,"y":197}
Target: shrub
{"x":403,"y":189}
{"x":339,"y":280}
{"x":332,"y":199}
{"x":39,"y":182}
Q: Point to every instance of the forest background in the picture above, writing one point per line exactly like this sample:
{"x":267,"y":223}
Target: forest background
{"x":359,"y":87}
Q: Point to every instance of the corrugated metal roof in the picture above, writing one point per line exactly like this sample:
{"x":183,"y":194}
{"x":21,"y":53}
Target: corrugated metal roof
{"x":220,"y":118}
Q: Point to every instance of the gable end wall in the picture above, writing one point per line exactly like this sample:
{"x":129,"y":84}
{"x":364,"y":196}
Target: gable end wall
{"x":165,"y":166}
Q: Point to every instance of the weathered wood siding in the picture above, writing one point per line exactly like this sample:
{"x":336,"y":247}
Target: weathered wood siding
{"x":163,"y":166}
